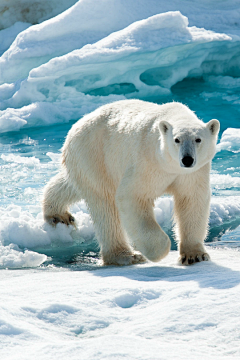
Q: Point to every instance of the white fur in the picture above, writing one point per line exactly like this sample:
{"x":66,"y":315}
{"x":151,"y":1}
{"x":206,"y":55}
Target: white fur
{"x":123,"y":156}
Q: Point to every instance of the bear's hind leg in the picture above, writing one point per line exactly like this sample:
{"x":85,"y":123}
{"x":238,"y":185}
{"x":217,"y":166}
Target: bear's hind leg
{"x":115,"y":249}
{"x":58,"y":194}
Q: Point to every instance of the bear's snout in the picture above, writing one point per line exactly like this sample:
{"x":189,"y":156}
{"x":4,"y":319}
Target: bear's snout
{"x":187,"y":161}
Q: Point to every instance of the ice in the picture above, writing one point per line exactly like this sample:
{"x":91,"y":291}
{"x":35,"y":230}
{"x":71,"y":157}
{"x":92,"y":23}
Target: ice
{"x":134,"y":62}
{"x":12,"y":158}
{"x":163,"y":211}
{"x":47,"y":113}
{"x":22,"y":228}
{"x":227,"y":82}
{"x":221,"y":181}
{"x":8,"y":35}
{"x":88,"y":21}
{"x":224,"y":210}
{"x":230,"y":140}
{"x":12,"y":257}
{"x":230,"y":238}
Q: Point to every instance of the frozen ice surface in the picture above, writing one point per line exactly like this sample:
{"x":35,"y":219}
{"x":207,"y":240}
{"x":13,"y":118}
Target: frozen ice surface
{"x":148,"y":311}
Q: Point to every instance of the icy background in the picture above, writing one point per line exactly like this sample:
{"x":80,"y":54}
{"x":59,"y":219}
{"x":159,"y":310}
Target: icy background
{"x":60,"y":60}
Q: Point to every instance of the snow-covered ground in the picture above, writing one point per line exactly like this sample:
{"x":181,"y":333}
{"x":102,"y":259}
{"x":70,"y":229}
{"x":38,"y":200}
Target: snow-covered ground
{"x":151,"y":312}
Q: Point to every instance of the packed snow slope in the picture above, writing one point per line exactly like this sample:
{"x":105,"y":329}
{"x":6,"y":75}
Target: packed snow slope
{"x":150,"y":312}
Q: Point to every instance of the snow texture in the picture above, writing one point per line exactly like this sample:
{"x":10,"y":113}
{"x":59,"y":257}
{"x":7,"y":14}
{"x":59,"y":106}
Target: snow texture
{"x":48,"y":76}
{"x":149,"y":311}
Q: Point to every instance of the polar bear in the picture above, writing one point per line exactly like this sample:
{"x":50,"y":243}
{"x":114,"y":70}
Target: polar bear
{"x":123,"y":156}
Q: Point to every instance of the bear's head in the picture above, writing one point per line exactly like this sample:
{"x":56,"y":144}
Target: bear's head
{"x":186,"y":147}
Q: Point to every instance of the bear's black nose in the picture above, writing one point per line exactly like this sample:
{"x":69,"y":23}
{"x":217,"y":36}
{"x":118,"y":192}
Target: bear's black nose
{"x":187,"y":161}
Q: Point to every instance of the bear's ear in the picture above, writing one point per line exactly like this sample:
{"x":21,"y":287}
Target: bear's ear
{"x":164,"y":127}
{"x":213,"y":126}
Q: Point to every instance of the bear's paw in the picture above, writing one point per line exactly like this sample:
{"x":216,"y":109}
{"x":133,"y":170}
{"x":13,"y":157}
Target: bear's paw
{"x":124,"y":259}
{"x":193,"y":257}
{"x":66,"y":219}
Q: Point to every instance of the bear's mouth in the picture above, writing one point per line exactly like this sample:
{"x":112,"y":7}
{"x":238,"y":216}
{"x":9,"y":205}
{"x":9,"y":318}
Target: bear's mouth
{"x":187,"y":161}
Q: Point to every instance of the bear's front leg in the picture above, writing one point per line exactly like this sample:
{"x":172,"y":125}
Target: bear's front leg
{"x":138,"y":219}
{"x":191,"y":210}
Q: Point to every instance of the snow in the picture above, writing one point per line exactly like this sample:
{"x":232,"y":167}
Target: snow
{"x":230,"y":140}
{"x":151,"y":311}
{"x":89,"y":21}
{"x":12,"y":257}
{"x":8,"y":35}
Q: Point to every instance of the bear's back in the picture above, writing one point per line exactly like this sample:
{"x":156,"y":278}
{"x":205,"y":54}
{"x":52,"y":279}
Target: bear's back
{"x":120,"y":134}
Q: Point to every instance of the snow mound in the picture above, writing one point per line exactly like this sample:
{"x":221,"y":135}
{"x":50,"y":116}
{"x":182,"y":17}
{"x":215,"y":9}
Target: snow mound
{"x":12,"y":257}
{"x":230,"y":140}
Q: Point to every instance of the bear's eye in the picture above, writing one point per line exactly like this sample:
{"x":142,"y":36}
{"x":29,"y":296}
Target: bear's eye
{"x":177,"y":141}
{"x":198,"y":140}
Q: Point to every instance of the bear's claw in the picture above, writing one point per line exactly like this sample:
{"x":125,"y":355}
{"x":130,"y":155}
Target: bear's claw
{"x":67,"y":219}
{"x":191,"y":259}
